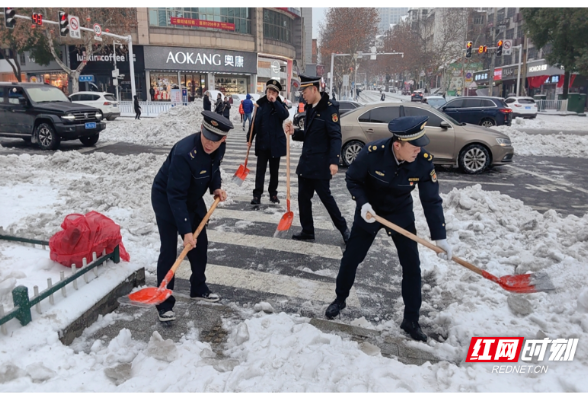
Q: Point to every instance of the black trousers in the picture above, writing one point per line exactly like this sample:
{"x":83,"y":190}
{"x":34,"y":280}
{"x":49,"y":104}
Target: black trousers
{"x":137,"y":113}
{"x":355,"y":252}
{"x":306,"y":189}
{"x":168,"y":253}
{"x":263,"y":156}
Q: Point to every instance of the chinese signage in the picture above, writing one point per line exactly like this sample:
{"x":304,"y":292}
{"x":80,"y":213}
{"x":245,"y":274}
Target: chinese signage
{"x":201,"y":23}
{"x":497,"y":74}
{"x":481,"y":76}
{"x":205,"y":60}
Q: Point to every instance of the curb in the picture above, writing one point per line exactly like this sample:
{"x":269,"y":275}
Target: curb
{"x":106,"y":305}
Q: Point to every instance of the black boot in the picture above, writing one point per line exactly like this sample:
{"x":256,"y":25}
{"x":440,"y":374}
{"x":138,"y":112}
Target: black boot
{"x":255,"y":200}
{"x":303,"y":236}
{"x":274,"y":199}
{"x":414,"y":330}
{"x":334,"y":309}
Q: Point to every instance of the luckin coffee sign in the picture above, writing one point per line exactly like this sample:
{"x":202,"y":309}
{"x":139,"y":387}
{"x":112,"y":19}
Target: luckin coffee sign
{"x":205,"y":60}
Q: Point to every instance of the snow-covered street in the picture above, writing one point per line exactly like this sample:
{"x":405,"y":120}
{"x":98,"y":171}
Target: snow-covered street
{"x":282,"y":352}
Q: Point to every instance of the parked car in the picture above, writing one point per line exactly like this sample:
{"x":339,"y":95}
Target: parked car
{"x":344,"y":107}
{"x":238,"y":98}
{"x":524,"y":107}
{"x":486,"y":111}
{"x":102,"y":100}
{"x":417,"y":96}
{"x":288,"y":102}
{"x":469,"y":147}
{"x":435,"y":101}
{"x":41,"y":113}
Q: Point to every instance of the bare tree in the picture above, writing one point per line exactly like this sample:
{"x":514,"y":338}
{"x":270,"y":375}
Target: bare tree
{"x":346,"y":31}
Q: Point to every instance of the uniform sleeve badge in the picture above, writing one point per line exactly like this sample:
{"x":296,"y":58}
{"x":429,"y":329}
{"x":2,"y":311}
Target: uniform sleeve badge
{"x":335,"y":117}
{"x":433,"y":176}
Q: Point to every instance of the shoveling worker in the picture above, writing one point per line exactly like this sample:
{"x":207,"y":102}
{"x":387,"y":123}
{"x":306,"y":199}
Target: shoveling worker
{"x":191,"y":168}
{"x":320,"y":156}
{"x":270,"y":141}
{"x":380,"y":181}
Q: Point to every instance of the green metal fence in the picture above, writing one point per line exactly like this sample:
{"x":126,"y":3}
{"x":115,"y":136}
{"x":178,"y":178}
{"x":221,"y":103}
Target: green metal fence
{"x":20,"y":294}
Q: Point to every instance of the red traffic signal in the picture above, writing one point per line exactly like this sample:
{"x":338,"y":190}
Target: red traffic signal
{"x":469,"y":49}
{"x":499,"y":48}
{"x":9,"y":20}
{"x":482,"y":49}
{"x":63,"y":23}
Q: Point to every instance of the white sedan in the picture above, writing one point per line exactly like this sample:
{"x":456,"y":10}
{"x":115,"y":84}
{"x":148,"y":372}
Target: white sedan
{"x":106,"y":102}
{"x":524,"y":107}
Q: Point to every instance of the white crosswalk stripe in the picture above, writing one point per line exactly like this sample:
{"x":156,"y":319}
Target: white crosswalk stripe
{"x":257,"y":216}
{"x":269,"y":283}
{"x":270,"y":243}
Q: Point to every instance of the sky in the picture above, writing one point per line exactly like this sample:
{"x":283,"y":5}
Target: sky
{"x":318,"y":15}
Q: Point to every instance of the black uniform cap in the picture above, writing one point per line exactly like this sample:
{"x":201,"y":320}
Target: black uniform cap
{"x":215,"y":126}
{"x":306,"y":81}
{"x":410,"y":129}
{"x":274,"y":84}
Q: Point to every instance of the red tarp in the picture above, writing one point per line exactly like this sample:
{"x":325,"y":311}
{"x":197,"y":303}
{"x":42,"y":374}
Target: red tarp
{"x":84,"y":234}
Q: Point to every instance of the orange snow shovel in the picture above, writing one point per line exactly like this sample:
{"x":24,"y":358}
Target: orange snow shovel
{"x":288,"y":217}
{"x":152,"y":296}
{"x":527,"y":283}
{"x":243,"y":171}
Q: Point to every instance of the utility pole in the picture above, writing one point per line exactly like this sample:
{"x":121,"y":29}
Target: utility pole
{"x":524,"y":72}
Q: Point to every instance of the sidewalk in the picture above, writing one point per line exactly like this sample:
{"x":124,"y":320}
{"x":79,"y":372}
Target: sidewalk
{"x":561,"y":113}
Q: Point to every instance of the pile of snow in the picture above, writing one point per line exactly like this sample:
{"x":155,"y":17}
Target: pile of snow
{"x":555,"y":145}
{"x":555,"y":122}
{"x":165,"y":130}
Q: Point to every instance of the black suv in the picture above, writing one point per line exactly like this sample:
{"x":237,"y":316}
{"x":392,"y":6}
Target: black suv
{"x":41,"y":113}
{"x":486,"y":111}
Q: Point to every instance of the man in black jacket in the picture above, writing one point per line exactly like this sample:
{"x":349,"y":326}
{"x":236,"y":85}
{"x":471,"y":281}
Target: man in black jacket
{"x":270,"y":140}
{"x":192,"y":166}
{"x":382,"y":178}
{"x":320,"y":156}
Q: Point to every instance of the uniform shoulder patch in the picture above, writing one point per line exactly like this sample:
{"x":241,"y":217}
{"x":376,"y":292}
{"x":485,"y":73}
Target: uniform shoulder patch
{"x":428,"y":157}
{"x":433,"y":176}
{"x":335,"y":117}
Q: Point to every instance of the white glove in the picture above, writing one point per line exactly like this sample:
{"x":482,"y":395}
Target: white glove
{"x":364,"y":210}
{"x":445,"y":246}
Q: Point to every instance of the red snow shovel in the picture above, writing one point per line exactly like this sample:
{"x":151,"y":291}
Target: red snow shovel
{"x":288,"y":217}
{"x":152,"y":296}
{"x":527,"y":283}
{"x":243,"y":171}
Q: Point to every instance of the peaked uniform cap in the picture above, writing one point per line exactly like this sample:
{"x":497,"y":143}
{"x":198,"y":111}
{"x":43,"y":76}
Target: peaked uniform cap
{"x":274,"y":84}
{"x":410,"y":130}
{"x":215,"y":126}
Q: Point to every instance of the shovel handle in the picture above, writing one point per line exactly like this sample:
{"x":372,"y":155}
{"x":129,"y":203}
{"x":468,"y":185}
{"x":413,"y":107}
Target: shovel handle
{"x":428,"y":244}
{"x":196,"y":233}
{"x":252,"y":124}
{"x":287,"y":170}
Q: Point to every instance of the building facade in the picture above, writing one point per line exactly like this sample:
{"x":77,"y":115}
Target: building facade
{"x":390,"y":16}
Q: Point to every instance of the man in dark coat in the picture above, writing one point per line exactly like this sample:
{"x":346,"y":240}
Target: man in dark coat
{"x":380,"y":181}
{"x":192,"y":167}
{"x":227,"y":108}
{"x":270,"y":140}
{"x":320,"y":156}
{"x":206,"y":101}
{"x":152,"y":93}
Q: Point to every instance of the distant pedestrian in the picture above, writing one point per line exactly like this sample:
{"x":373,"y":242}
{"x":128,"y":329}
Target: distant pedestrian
{"x":218,"y":106}
{"x":227,"y":108}
{"x":247,"y":110}
{"x":241,"y":112}
{"x":137,"y":108}
{"x":206,"y":101}
{"x":152,"y":93}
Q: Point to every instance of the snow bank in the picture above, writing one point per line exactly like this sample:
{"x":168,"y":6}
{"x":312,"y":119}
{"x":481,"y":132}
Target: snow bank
{"x":553,"y":145}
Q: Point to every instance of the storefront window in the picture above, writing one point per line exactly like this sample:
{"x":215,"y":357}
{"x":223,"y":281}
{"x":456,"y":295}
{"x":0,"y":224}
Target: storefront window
{"x":277,"y":26}
{"x":240,"y":17}
{"x":230,"y":84}
{"x":163,"y":83}
{"x":196,"y":84}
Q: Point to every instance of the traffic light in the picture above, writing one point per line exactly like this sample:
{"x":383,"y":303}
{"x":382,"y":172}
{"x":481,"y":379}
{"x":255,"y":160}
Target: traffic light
{"x":63,"y":23}
{"x":469,"y":49}
{"x":499,"y":49}
{"x":9,"y":20}
{"x":482,"y":49}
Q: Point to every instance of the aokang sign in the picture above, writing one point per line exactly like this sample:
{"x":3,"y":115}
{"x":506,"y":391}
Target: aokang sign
{"x":205,"y":60}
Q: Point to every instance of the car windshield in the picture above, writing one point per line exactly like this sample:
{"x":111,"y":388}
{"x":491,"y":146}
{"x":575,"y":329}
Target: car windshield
{"x":45,"y":94}
{"x":436,"y":102}
{"x":109,"y":97}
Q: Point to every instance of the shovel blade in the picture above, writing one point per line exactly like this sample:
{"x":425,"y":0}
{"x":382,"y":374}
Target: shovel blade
{"x":240,"y":175}
{"x":150,"y":296}
{"x":527,"y":283}
{"x":286,"y":221}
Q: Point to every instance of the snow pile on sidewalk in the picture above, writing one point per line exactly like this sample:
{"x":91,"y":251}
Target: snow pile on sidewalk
{"x":165,"y":130}
{"x":556,"y":145}
{"x":555,"y":122}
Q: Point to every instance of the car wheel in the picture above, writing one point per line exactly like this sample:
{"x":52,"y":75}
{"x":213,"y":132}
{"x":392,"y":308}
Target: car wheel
{"x":90,"y":140}
{"x":46,"y":137}
{"x":350,"y":151}
{"x":474,"y":159}
{"x":487,"y":122}
{"x":301,"y":123}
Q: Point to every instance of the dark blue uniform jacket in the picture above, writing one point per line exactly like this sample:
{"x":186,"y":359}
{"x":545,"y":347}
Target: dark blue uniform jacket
{"x":183,"y":179}
{"x":322,"y":139}
{"x":267,"y":128}
{"x":375,"y":178}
